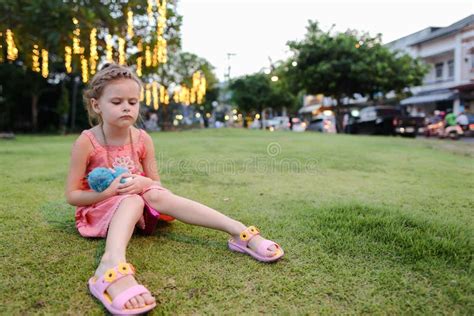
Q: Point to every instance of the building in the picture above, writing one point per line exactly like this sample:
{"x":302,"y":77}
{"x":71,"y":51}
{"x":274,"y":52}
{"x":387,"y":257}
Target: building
{"x":450,"y":53}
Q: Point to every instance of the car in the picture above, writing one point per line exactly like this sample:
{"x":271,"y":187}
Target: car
{"x":377,"y":120}
{"x":277,"y":123}
{"x":323,"y":123}
{"x":409,"y":126}
{"x":298,"y":125}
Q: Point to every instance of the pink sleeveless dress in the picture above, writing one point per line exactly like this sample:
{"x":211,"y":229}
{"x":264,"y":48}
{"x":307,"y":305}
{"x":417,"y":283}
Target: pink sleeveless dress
{"x":93,"y":220}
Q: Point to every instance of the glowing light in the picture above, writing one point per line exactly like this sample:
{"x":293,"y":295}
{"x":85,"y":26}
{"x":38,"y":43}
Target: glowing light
{"x":68,"y":59}
{"x":294,"y":63}
{"x":121,"y":50}
{"x":44,"y":63}
{"x":198,"y":115}
{"x":155,"y":95}
{"x":76,"y":41}
{"x":148,"y":94}
{"x":84,"y":69}
{"x":139,"y":66}
{"x":274,"y":78}
{"x":162,"y":94}
{"x":257,"y":116}
{"x":12,"y":51}
{"x":130,"y":23}
{"x":109,"y":48}
{"x":35,"y":66}
{"x":226,"y":117}
{"x":147,"y":56}
{"x":94,"y":56}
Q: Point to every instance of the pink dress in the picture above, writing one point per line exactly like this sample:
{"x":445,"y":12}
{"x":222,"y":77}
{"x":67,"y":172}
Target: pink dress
{"x":93,"y":220}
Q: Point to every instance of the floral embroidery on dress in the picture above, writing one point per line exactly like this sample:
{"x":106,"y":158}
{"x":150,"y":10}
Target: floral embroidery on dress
{"x":124,"y":162}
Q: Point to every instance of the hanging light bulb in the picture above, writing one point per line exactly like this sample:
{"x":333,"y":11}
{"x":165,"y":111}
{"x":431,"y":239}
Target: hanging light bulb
{"x":76,"y":41}
{"x":139,"y":66}
{"x":130,"y":23}
{"x":148,"y":94}
{"x":44,"y":63}
{"x":94,"y":56}
{"x":155,"y":95}
{"x":84,"y":69}
{"x":121,"y":43}
{"x":162,"y":94}
{"x":155,"y":56}
{"x":12,"y":51}
{"x":149,"y":10}
{"x":68,"y":59}
{"x":35,"y":66}
{"x":148,"y":56}
{"x":1,"y":48}
{"x":109,"y":48}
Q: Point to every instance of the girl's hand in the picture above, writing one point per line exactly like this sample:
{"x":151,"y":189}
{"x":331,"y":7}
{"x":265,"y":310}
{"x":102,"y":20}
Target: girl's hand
{"x":134,"y":185}
{"x":113,"y":187}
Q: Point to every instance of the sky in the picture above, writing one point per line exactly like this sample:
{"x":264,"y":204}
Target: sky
{"x":255,"y":30}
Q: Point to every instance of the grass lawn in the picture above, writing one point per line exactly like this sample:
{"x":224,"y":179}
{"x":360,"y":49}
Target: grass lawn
{"x":369,"y":224}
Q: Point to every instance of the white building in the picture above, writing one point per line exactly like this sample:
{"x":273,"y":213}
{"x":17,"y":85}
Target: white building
{"x":450,"y":53}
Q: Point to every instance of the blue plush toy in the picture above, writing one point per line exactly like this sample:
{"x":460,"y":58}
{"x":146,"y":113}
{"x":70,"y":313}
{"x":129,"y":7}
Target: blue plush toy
{"x":100,"y":178}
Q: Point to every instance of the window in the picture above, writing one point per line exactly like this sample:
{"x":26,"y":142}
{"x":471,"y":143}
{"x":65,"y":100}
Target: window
{"x":451,"y":68}
{"x":439,"y":70}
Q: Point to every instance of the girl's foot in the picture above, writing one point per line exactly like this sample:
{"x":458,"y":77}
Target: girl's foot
{"x":250,"y":242}
{"x":121,"y":285}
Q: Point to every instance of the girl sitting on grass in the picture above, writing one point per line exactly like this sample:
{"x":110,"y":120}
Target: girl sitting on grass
{"x":112,"y":101}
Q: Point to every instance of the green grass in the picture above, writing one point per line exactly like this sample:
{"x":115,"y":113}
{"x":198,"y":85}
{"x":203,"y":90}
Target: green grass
{"x":376,"y":225}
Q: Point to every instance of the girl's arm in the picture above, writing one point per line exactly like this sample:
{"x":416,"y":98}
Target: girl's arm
{"x":149,"y":164}
{"x":74,"y":195}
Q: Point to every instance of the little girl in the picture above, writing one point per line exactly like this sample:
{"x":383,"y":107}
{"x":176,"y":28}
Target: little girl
{"x":112,"y":101}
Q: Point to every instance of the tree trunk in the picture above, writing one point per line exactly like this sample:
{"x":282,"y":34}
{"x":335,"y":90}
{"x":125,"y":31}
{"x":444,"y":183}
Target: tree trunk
{"x":338,"y":115}
{"x":34,"y":111}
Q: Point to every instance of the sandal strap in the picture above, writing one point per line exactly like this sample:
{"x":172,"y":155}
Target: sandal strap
{"x":114,"y":274}
{"x":262,"y":248}
{"x":126,"y":295}
{"x":247,"y":234}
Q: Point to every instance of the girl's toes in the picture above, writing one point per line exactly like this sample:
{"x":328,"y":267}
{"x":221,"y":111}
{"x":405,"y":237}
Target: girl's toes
{"x":128,"y":305}
{"x":140,"y":300}
{"x":134,"y":302}
{"x":148,"y":298}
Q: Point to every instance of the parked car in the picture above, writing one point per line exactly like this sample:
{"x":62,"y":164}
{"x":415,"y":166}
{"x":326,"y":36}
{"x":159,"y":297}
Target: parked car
{"x":377,"y":120}
{"x":323,"y":123}
{"x":298,"y":125}
{"x":410,"y":126}
{"x":277,"y":123}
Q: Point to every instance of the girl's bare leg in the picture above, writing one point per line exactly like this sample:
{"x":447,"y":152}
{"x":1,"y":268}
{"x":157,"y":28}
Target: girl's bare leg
{"x":194,"y":213}
{"x":120,"y":230}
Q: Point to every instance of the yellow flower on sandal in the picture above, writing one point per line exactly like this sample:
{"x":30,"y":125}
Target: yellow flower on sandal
{"x":125,"y":268}
{"x":110,"y":275}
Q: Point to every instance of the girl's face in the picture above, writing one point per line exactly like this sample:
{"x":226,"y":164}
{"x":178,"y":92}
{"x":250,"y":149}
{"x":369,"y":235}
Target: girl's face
{"x":119,"y":103}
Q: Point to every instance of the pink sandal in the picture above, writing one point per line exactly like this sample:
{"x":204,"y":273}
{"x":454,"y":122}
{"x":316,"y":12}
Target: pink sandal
{"x":98,"y":287}
{"x":262,"y":253}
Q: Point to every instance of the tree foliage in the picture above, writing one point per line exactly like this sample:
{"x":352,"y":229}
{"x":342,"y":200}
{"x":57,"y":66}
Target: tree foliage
{"x":343,"y":64}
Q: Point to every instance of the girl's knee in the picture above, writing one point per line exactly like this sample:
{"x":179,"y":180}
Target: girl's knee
{"x":134,"y":201}
{"x":156,"y":196}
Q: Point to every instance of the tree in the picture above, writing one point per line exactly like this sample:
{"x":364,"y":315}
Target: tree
{"x":254,"y":93}
{"x":343,"y":64}
{"x":48,"y":24}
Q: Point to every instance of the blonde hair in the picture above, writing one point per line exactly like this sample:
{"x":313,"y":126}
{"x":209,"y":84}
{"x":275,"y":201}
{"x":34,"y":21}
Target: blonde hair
{"x":109,"y":73}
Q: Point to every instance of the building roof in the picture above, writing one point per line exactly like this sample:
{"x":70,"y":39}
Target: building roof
{"x":448,"y":30}
{"x":429,"y":97}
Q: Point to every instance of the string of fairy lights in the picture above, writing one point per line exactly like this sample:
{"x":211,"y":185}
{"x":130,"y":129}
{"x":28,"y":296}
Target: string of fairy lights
{"x":149,"y":55}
